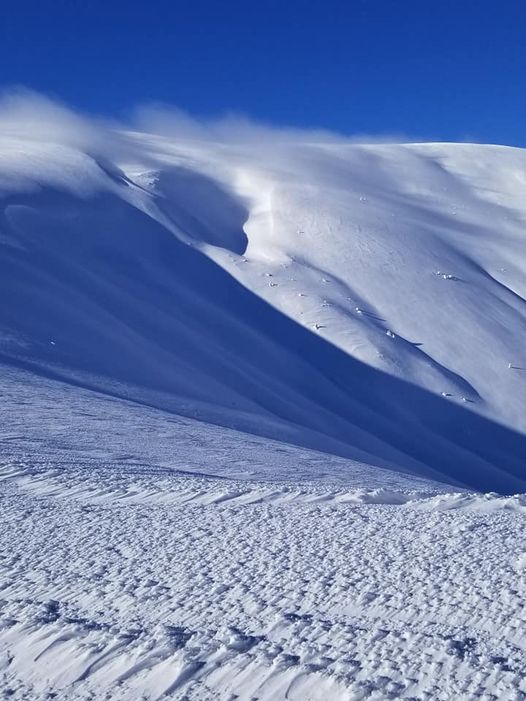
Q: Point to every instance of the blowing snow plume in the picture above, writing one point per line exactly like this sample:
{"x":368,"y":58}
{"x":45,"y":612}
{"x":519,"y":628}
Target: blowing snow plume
{"x":365,"y":300}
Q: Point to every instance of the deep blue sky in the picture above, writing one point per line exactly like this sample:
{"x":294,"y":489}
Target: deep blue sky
{"x":435,"y":69}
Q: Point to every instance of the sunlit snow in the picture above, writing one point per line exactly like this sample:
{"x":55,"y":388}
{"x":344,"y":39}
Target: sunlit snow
{"x":263,"y":413}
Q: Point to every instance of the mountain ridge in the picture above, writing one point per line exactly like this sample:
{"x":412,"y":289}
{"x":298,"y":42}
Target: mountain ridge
{"x":192,"y":271}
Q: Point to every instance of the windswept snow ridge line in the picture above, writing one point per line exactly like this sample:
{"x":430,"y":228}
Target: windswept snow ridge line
{"x":190,"y":491}
{"x":128,"y":489}
{"x":365,"y":301}
{"x":97,"y":487}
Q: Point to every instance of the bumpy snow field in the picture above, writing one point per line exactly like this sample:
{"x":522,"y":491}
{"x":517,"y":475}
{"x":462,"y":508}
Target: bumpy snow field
{"x":262,"y":418}
{"x":150,"y":556}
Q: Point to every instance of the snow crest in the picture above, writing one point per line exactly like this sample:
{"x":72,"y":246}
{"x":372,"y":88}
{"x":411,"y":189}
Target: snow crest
{"x":366,"y":301}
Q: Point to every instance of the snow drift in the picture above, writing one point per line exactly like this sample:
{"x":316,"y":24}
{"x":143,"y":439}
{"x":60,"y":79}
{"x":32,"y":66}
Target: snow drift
{"x":368,"y":301}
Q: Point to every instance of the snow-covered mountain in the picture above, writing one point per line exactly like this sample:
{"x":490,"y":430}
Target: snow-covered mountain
{"x":251,"y":390}
{"x":363,"y":300}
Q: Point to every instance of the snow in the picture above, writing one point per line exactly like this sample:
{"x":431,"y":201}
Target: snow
{"x":128,"y":581}
{"x":262,"y":416}
{"x":147,"y":555}
{"x":105,"y":264}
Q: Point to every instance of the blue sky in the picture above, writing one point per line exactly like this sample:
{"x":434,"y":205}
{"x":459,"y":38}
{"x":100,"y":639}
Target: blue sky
{"x":426,"y":69}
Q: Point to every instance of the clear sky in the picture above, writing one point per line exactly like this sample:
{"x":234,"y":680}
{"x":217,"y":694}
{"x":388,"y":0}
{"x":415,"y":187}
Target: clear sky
{"x":430,"y":69}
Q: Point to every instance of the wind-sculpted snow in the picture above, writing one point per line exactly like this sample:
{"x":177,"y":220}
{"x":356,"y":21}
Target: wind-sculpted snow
{"x":252,"y":383}
{"x":365,"y":301}
{"x":147,"y":555}
{"x":122,"y":583}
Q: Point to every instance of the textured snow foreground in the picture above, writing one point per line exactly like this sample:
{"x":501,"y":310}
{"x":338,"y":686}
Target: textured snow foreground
{"x":262,"y":418}
{"x":146,"y":555}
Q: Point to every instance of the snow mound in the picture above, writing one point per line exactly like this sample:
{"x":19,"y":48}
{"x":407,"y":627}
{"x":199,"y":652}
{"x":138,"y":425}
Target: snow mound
{"x":481,"y":503}
{"x":366,"y":301}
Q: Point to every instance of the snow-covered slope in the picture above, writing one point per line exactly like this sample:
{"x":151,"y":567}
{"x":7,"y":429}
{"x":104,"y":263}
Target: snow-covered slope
{"x":363,"y":300}
{"x":244,"y":387}
{"x":145,"y":555}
